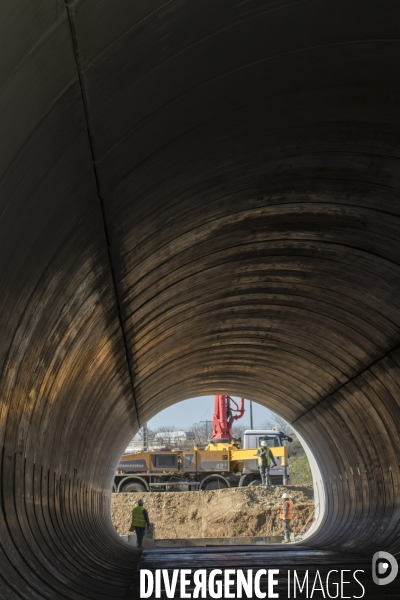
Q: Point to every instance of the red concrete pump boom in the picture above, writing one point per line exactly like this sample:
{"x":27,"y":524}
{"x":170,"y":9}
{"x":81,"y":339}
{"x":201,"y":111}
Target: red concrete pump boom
{"x":224,"y":417}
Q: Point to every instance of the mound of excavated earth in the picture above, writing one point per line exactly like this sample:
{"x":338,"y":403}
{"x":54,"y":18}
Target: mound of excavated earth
{"x":235,"y":512}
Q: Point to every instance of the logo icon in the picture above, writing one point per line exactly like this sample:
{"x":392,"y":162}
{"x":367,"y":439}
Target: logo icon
{"x":384,"y":568}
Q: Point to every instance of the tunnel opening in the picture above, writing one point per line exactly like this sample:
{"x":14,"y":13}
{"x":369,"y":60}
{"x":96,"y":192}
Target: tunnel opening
{"x":191,"y":462}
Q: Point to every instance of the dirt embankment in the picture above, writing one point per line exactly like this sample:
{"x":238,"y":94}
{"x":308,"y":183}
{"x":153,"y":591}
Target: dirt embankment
{"x":235,"y":512}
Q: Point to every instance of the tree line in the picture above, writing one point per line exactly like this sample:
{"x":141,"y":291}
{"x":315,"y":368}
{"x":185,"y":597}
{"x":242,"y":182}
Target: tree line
{"x":199,"y":434}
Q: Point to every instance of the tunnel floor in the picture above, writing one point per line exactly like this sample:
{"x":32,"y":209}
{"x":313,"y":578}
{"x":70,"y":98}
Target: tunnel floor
{"x":280,"y":557}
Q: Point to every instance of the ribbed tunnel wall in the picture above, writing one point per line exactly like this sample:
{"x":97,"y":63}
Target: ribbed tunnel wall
{"x":195,"y":197}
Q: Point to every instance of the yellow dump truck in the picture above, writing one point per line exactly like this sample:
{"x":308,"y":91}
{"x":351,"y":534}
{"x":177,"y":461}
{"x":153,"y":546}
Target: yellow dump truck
{"x":219,"y":465}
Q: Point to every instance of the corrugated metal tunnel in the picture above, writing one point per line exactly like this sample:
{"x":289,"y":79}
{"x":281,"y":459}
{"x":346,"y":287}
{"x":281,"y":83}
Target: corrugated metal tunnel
{"x":195,"y":198}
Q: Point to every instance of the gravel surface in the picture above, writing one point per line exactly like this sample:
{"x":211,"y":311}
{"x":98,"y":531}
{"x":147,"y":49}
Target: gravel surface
{"x":250,"y":511}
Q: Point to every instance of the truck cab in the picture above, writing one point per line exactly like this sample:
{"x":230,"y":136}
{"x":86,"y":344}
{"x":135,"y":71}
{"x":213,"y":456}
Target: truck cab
{"x":276,"y":441}
{"x":253,"y":437}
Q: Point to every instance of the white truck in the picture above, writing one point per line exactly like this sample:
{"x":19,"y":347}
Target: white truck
{"x":274,"y":439}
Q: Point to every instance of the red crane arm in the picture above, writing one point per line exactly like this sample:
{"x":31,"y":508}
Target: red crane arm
{"x":224,"y":416}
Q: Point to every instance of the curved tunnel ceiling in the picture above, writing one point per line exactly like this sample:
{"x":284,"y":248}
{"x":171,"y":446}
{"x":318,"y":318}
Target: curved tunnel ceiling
{"x":195,"y":197}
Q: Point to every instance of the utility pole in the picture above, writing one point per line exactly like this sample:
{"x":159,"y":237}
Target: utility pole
{"x":206,"y":422}
{"x":251,"y":415}
{"x":145,"y":438}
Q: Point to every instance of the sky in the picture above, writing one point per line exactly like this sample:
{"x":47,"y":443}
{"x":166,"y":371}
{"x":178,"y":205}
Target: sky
{"x":183,"y":414}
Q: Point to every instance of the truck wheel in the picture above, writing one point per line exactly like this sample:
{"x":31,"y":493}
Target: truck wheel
{"x":133,"y":487}
{"x":217,"y":484}
{"x":255,"y":482}
{"x":244,"y":481}
{"x":277,"y":480}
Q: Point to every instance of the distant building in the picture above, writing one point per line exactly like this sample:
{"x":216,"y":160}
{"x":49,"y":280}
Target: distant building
{"x":162,"y":438}
{"x":173,"y":438}
{"x":135,"y":445}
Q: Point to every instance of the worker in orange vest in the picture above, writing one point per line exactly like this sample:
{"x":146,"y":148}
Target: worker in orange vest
{"x":286,"y":515}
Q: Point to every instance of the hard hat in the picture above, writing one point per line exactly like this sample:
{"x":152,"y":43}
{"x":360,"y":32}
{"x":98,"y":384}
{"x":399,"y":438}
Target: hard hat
{"x":141,"y":502}
{"x":285,"y":495}
{"x":263,"y":443}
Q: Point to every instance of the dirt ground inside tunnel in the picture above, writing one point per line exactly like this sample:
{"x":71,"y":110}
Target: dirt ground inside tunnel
{"x":235,"y":512}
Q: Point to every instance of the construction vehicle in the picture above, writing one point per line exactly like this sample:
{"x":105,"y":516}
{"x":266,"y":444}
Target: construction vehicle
{"x":222,"y":464}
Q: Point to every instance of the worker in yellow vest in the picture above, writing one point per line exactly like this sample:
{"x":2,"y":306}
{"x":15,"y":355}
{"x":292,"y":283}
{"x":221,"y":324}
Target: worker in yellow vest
{"x":140,"y":520}
{"x":265,"y":457}
{"x":286,"y":515}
